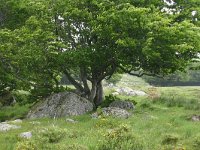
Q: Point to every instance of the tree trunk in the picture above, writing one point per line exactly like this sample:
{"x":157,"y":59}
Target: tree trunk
{"x":99,"y":94}
{"x":93,"y":91}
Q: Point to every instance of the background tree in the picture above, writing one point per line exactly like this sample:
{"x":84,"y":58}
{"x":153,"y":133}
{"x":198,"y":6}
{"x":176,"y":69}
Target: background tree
{"x":94,"y":39}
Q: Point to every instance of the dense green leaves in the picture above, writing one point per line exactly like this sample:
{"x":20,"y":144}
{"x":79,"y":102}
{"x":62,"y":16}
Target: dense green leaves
{"x":94,"y":39}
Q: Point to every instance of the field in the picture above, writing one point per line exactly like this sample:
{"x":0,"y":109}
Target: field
{"x":160,"y":121}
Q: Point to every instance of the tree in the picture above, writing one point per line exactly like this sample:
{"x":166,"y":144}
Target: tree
{"x":95,"y":39}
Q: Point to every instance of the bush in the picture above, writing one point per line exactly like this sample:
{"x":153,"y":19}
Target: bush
{"x":22,"y":97}
{"x":45,"y":138}
{"x":196,"y":143}
{"x":13,"y":112}
{"x":172,"y":147}
{"x":26,"y":145}
{"x":72,"y":147}
{"x":170,"y":139}
{"x":121,"y":138}
{"x":146,"y":104}
{"x":51,"y":134}
{"x":109,"y":99}
{"x":106,"y":122}
{"x":75,"y":134}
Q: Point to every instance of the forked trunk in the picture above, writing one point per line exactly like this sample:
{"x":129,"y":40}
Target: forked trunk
{"x":96,"y":94}
{"x":93,"y":91}
{"x":99,"y":94}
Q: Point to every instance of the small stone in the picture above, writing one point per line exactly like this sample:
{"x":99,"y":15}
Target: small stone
{"x":35,"y":122}
{"x":26,"y":135}
{"x":71,"y":120}
{"x":196,"y":118}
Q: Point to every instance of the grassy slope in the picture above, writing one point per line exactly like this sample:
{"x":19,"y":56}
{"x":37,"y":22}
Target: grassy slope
{"x":152,"y":121}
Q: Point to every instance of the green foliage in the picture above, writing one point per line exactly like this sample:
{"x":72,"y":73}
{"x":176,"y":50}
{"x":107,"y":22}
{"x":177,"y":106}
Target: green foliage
{"x":26,"y":145}
{"x":42,"y":40}
{"x":109,"y":99}
{"x":170,"y":139}
{"x":75,"y":134}
{"x":187,"y":78}
{"x":73,"y":147}
{"x":51,"y":134}
{"x":146,"y":104}
{"x":179,"y":101}
{"x":121,"y":138}
{"x":196,"y":142}
{"x":43,"y":138}
{"x":106,"y":123}
{"x":14,"y":112}
{"x":115,"y":78}
{"x":147,"y":125}
{"x":22,"y":97}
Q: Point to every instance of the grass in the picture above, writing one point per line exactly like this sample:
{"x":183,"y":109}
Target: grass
{"x":162,"y":123}
{"x":13,"y":112}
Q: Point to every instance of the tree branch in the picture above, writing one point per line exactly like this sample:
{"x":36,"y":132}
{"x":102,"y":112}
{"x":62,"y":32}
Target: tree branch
{"x":73,"y":81}
{"x":139,"y":74}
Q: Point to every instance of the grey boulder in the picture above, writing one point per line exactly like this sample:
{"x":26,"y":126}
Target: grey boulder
{"x":61,"y":105}
{"x":115,"y":112}
{"x":123,"y":105}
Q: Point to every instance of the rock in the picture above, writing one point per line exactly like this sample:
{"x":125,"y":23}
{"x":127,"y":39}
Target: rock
{"x":115,"y":93}
{"x":94,"y":115}
{"x":4,"y":126}
{"x":130,"y":92}
{"x":115,"y":112}
{"x":26,"y":135}
{"x":71,"y":120}
{"x":110,"y":85}
{"x":61,"y":105}
{"x":16,"y":121}
{"x":35,"y":123}
{"x":195,"y":118}
{"x":139,"y":93}
{"x":122,"y":105}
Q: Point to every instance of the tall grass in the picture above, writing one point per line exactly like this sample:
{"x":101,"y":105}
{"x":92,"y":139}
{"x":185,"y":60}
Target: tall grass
{"x":173,"y":100}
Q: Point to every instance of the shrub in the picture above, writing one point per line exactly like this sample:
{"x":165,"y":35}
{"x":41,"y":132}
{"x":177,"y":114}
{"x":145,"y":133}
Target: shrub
{"x":146,"y":104}
{"x":121,"y":138}
{"x":75,"y":134}
{"x":196,"y":142}
{"x":109,"y":99}
{"x":51,"y":134}
{"x":107,"y":123}
{"x":172,"y":147}
{"x":170,"y":139}
{"x":75,"y":147}
{"x":22,"y":97}
{"x":26,"y":145}
{"x":13,"y":112}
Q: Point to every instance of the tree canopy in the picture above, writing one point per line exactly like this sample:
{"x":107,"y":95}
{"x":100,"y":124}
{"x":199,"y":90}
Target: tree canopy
{"x":43,"y":39}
